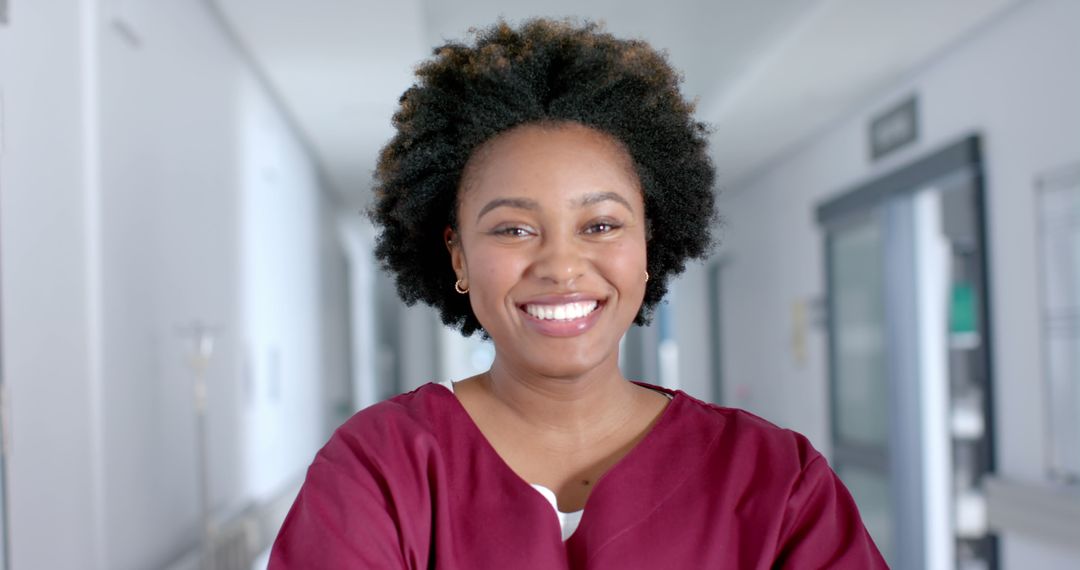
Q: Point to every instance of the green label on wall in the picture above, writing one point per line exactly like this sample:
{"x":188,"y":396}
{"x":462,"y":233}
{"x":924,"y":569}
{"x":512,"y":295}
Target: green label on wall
{"x":963,"y":315}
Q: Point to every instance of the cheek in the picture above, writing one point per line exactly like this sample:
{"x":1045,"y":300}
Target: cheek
{"x":490,"y":267}
{"x":492,"y":274}
{"x":624,"y":268}
{"x":627,"y":256}
{"x":491,"y":277}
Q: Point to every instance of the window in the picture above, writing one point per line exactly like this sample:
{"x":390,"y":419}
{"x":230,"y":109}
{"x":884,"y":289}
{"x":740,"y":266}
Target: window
{"x":1059,"y":227}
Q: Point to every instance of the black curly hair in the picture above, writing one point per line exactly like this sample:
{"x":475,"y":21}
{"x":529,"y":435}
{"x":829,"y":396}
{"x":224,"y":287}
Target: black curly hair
{"x":543,"y":72}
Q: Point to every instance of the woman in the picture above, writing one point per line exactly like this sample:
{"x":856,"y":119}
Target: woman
{"x":544,"y":184}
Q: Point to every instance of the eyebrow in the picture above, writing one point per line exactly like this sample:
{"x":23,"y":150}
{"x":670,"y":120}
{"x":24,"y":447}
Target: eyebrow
{"x":596,"y":197}
{"x":527,"y":204}
{"x":519,"y":203}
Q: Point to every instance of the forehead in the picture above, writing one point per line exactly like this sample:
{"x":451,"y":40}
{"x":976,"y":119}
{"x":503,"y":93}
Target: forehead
{"x":549,"y":162}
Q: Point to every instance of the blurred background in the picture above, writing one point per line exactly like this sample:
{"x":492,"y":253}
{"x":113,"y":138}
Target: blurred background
{"x":189,"y":306}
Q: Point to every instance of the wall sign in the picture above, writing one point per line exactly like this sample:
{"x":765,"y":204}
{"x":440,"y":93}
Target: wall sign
{"x":894,"y":128}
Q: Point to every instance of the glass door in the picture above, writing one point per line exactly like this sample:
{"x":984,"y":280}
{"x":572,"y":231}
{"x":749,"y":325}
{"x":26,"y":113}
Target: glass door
{"x":909,"y":362}
{"x":859,"y":390}
{"x":963,"y":321}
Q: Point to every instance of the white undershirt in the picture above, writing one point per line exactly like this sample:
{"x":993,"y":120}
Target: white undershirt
{"x":568,"y":522}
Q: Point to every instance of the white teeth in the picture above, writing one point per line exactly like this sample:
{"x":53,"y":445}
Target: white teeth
{"x":567,"y":312}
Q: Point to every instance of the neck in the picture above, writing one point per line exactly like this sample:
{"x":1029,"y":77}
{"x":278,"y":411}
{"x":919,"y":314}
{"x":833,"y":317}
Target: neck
{"x":573,"y":410}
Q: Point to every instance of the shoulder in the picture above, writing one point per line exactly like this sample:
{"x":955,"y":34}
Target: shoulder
{"x":744,"y":435}
{"x":410,"y":408}
{"x":360,"y":505}
{"x":777,"y":471}
{"x":403,"y":424}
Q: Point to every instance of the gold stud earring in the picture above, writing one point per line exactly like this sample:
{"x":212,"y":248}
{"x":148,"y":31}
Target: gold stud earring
{"x":646,"y":276}
{"x":459,"y":288}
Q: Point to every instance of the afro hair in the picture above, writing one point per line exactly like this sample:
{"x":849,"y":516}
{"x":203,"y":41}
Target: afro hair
{"x":543,"y":72}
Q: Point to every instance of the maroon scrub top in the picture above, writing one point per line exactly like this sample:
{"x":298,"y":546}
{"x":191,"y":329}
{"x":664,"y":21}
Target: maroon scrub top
{"x":412,"y":483}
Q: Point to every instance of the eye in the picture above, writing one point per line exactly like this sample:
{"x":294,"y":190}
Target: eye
{"x":512,"y":231}
{"x":602,"y":227}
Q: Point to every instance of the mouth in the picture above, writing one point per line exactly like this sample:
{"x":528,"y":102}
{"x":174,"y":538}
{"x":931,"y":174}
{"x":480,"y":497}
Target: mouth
{"x":561,"y":312}
{"x":562,"y":317}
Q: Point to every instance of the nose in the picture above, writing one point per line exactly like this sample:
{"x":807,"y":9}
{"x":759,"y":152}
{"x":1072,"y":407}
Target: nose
{"x":560,"y":260}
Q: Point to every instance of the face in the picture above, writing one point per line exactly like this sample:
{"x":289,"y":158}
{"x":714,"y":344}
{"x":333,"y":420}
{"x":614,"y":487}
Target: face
{"x":551,"y":245}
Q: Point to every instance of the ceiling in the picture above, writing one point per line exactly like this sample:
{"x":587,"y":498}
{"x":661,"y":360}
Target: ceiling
{"x":767,"y":74}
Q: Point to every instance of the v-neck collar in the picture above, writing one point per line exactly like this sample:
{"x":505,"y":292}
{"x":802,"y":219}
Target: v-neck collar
{"x":626,"y":493}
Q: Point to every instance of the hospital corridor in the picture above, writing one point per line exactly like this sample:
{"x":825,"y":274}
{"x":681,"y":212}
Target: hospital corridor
{"x":191,"y":302}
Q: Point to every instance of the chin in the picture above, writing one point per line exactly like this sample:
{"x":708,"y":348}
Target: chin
{"x":570,"y":362}
{"x":562,"y":369}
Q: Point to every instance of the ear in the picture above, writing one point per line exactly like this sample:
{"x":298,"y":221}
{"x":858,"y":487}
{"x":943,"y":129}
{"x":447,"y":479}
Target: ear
{"x":457,"y":254}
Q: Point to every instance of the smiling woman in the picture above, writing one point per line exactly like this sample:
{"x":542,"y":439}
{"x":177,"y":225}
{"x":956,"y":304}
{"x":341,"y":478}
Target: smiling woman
{"x":544,"y":185}
{"x":551,"y":222}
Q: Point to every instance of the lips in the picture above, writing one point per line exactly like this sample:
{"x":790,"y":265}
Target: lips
{"x":562,"y":315}
{"x":562,"y":312}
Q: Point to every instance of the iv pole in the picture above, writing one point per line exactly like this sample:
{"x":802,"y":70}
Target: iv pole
{"x":202,"y":336}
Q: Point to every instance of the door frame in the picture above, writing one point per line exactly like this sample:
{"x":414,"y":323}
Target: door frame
{"x":878,"y":198}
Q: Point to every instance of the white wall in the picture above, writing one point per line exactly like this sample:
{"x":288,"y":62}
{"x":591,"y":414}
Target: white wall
{"x":148,"y":182}
{"x":169,"y":212}
{"x":337,"y":392}
{"x":1015,"y":82}
{"x":356,"y":237}
{"x":281,"y":292}
{"x":461,"y":357}
{"x":48,"y":257}
{"x":691,"y":330}
{"x":418,"y":346}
